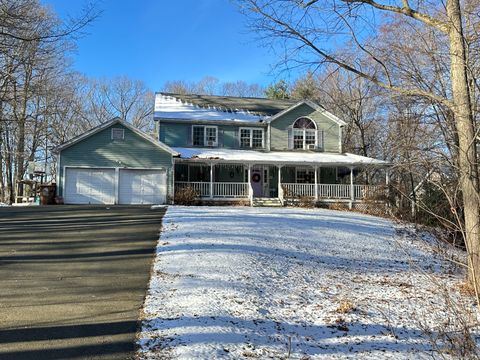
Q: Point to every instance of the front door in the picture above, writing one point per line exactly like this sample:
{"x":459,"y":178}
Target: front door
{"x":257,"y":181}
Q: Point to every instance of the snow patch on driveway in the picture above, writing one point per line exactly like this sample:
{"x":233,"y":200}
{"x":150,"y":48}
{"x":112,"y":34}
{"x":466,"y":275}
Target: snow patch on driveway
{"x":232,"y":282}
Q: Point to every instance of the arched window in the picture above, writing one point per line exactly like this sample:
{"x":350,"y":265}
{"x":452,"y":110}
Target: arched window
{"x":304,"y":133}
{"x":304,"y":123}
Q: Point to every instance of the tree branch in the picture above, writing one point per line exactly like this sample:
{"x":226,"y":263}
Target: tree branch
{"x":344,"y":65}
{"x":405,"y":10}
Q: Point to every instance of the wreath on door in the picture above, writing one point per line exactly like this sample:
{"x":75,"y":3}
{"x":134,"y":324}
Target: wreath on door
{"x":256,"y":178}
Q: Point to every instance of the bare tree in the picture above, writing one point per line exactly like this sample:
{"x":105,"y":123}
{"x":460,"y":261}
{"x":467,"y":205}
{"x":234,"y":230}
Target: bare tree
{"x":210,"y":85}
{"x":306,"y":27}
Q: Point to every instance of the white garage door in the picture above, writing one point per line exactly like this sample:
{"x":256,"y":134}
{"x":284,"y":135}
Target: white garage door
{"x":142,"y":186}
{"x":89,"y":186}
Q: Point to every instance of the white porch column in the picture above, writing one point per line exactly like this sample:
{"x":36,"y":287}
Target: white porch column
{"x":250,"y":190}
{"x":352,"y":191}
{"x":280,"y":190}
{"x":211,"y":180}
{"x":316,"y":182}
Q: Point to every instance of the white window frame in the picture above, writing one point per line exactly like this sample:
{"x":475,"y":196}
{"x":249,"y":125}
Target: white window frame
{"x":250,"y":130}
{"x":118,"y":130}
{"x":304,"y":133}
{"x":205,"y":127}
{"x":307,"y":170}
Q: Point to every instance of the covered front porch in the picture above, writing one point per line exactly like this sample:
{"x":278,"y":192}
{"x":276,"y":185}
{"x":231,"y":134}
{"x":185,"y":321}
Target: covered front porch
{"x":218,"y":181}
{"x":228,"y":174}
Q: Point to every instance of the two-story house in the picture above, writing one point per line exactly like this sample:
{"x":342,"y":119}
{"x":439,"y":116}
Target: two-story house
{"x":226,"y":148}
{"x":233,"y":148}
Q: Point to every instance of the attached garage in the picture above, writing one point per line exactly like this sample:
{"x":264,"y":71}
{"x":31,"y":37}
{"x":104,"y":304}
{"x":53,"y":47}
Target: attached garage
{"x":89,"y":186}
{"x":142,"y":186}
{"x":115,"y":163}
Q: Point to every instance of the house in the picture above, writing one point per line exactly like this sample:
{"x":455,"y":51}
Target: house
{"x":225,"y":148}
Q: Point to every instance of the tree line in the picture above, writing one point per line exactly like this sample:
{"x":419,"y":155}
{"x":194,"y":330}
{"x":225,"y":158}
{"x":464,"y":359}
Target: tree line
{"x":43,"y":102}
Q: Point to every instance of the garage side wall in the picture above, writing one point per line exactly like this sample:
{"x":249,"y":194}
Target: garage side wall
{"x":99,"y":150}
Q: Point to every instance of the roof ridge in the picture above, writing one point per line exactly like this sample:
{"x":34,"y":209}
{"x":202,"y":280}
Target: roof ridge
{"x":223,"y":96}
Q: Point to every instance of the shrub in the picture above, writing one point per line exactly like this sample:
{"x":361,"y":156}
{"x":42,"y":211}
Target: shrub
{"x":186,"y":196}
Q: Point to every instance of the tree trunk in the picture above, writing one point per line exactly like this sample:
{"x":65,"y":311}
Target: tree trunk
{"x":468,"y":167}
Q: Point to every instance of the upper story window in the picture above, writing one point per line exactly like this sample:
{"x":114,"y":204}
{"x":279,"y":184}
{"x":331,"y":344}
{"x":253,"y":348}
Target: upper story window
{"x":204,"y":135}
{"x":251,"y":138}
{"x":304,"y":134}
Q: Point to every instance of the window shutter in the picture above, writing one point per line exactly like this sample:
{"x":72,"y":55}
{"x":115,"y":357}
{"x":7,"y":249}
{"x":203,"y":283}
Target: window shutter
{"x":290,"y":138}
{"x":220,"y":137}
{"x":189,"y":136}
{"x":236,"y":141}
{"x":320,"y":139}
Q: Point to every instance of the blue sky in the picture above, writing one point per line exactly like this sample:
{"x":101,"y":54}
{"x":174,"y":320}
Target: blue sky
{"x":160,"y":40}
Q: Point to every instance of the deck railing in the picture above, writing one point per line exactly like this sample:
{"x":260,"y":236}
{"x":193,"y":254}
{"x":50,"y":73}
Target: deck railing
{"x":220,"y":189}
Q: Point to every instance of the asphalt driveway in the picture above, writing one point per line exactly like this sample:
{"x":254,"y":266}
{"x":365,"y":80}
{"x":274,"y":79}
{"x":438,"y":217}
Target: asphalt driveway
{"x":73,"y":279}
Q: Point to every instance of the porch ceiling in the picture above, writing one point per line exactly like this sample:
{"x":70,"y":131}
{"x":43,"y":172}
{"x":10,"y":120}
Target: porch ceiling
{"x":276,"y":157}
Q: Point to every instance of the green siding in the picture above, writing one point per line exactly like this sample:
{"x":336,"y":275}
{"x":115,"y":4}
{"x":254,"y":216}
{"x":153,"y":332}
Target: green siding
{"x":279,"y":128}
{"x":179,"y":134}
{"x":175,"y":134}
{"x":99,"y":150}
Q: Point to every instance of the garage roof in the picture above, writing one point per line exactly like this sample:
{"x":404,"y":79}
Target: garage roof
{"x":109,"y":123}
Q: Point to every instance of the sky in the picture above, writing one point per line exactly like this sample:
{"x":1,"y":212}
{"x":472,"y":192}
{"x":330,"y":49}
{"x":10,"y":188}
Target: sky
{"x":160,"y":40}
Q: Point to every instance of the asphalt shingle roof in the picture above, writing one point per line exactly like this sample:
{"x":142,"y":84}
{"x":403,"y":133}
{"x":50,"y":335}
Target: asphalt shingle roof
{"x":261,"y":106}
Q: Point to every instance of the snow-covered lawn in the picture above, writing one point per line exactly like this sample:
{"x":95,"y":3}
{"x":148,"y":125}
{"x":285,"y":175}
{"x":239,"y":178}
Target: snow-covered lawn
{"x":233,"y":282}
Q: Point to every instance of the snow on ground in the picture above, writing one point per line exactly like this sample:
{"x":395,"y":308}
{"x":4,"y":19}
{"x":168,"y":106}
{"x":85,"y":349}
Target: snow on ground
{"x":232,"y":282}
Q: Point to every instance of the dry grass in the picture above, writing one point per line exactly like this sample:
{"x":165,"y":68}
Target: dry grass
{"x":345,"y":307}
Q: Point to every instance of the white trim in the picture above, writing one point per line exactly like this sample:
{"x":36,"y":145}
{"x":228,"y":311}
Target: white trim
{"x":112,"y":122}
{"x":269,"y":137}
{"x":340,"y":139}
{"x":205,"y":127}
{"x":64,"y":175}
{"x":115,"y":185}
{"x":305,"y":117}
{"x":250,"y":129}
{"x":57,"y":175}
{"x":314,"y":107}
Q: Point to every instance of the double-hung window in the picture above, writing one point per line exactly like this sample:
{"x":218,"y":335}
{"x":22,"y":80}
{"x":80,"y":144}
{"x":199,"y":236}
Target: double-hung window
{"x":204,"y":135}
{"x":304,"y":133}
{"x":251,"y":138}
{"x":305,"y":176}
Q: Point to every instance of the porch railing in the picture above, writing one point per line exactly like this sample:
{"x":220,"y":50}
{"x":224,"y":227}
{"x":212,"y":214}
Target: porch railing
{"x":201,"y":188}
{"x":332,"y":191}
{"x":230,"y":190}
{"x":220,"y":189}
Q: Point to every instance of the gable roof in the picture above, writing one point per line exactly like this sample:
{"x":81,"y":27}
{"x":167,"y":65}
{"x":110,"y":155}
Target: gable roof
{"x":106,"y":125}
{"x":255,"y":106}
{"x":314,"y":106}
{"x":230,"y":108}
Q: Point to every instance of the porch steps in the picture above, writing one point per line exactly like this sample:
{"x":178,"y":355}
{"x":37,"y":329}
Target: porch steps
{"x":267,"y":202}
